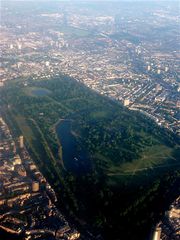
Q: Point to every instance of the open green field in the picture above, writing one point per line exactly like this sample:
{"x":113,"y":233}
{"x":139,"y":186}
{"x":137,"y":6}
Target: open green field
{"x":25,"y":129}
{"x":73,"y":32}
{"x":151,"y":158}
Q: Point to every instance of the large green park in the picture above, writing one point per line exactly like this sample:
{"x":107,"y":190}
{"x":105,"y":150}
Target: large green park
{"x":133,"y":166}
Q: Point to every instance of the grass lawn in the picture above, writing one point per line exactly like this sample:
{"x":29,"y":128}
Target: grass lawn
{"x":152,"y":157}
{"x":77,"y":32}
{"x":24,"y":127}
{"x":99,"y":114}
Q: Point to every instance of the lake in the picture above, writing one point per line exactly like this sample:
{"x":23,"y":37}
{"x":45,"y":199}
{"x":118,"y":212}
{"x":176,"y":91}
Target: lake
{"x":75,"y":159}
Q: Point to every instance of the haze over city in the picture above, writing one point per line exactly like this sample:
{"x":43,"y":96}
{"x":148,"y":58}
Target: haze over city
{"x":89,"y":120}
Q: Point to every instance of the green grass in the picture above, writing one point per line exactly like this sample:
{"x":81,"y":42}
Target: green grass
{"x":152,"y":157}
{"x":72,"y":31}
{"x":99,"y":114}
{"x":24,"y":127}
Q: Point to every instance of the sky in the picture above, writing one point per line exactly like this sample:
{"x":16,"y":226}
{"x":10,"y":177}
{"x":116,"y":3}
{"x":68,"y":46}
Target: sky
{"x":92,"y":0}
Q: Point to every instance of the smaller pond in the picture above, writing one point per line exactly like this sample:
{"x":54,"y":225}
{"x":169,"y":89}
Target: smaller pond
{"x":75,"y":159}
{"x":40,"y":92}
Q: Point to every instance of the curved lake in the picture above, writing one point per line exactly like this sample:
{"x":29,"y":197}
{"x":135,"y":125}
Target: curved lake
{"x":75,"y":159}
